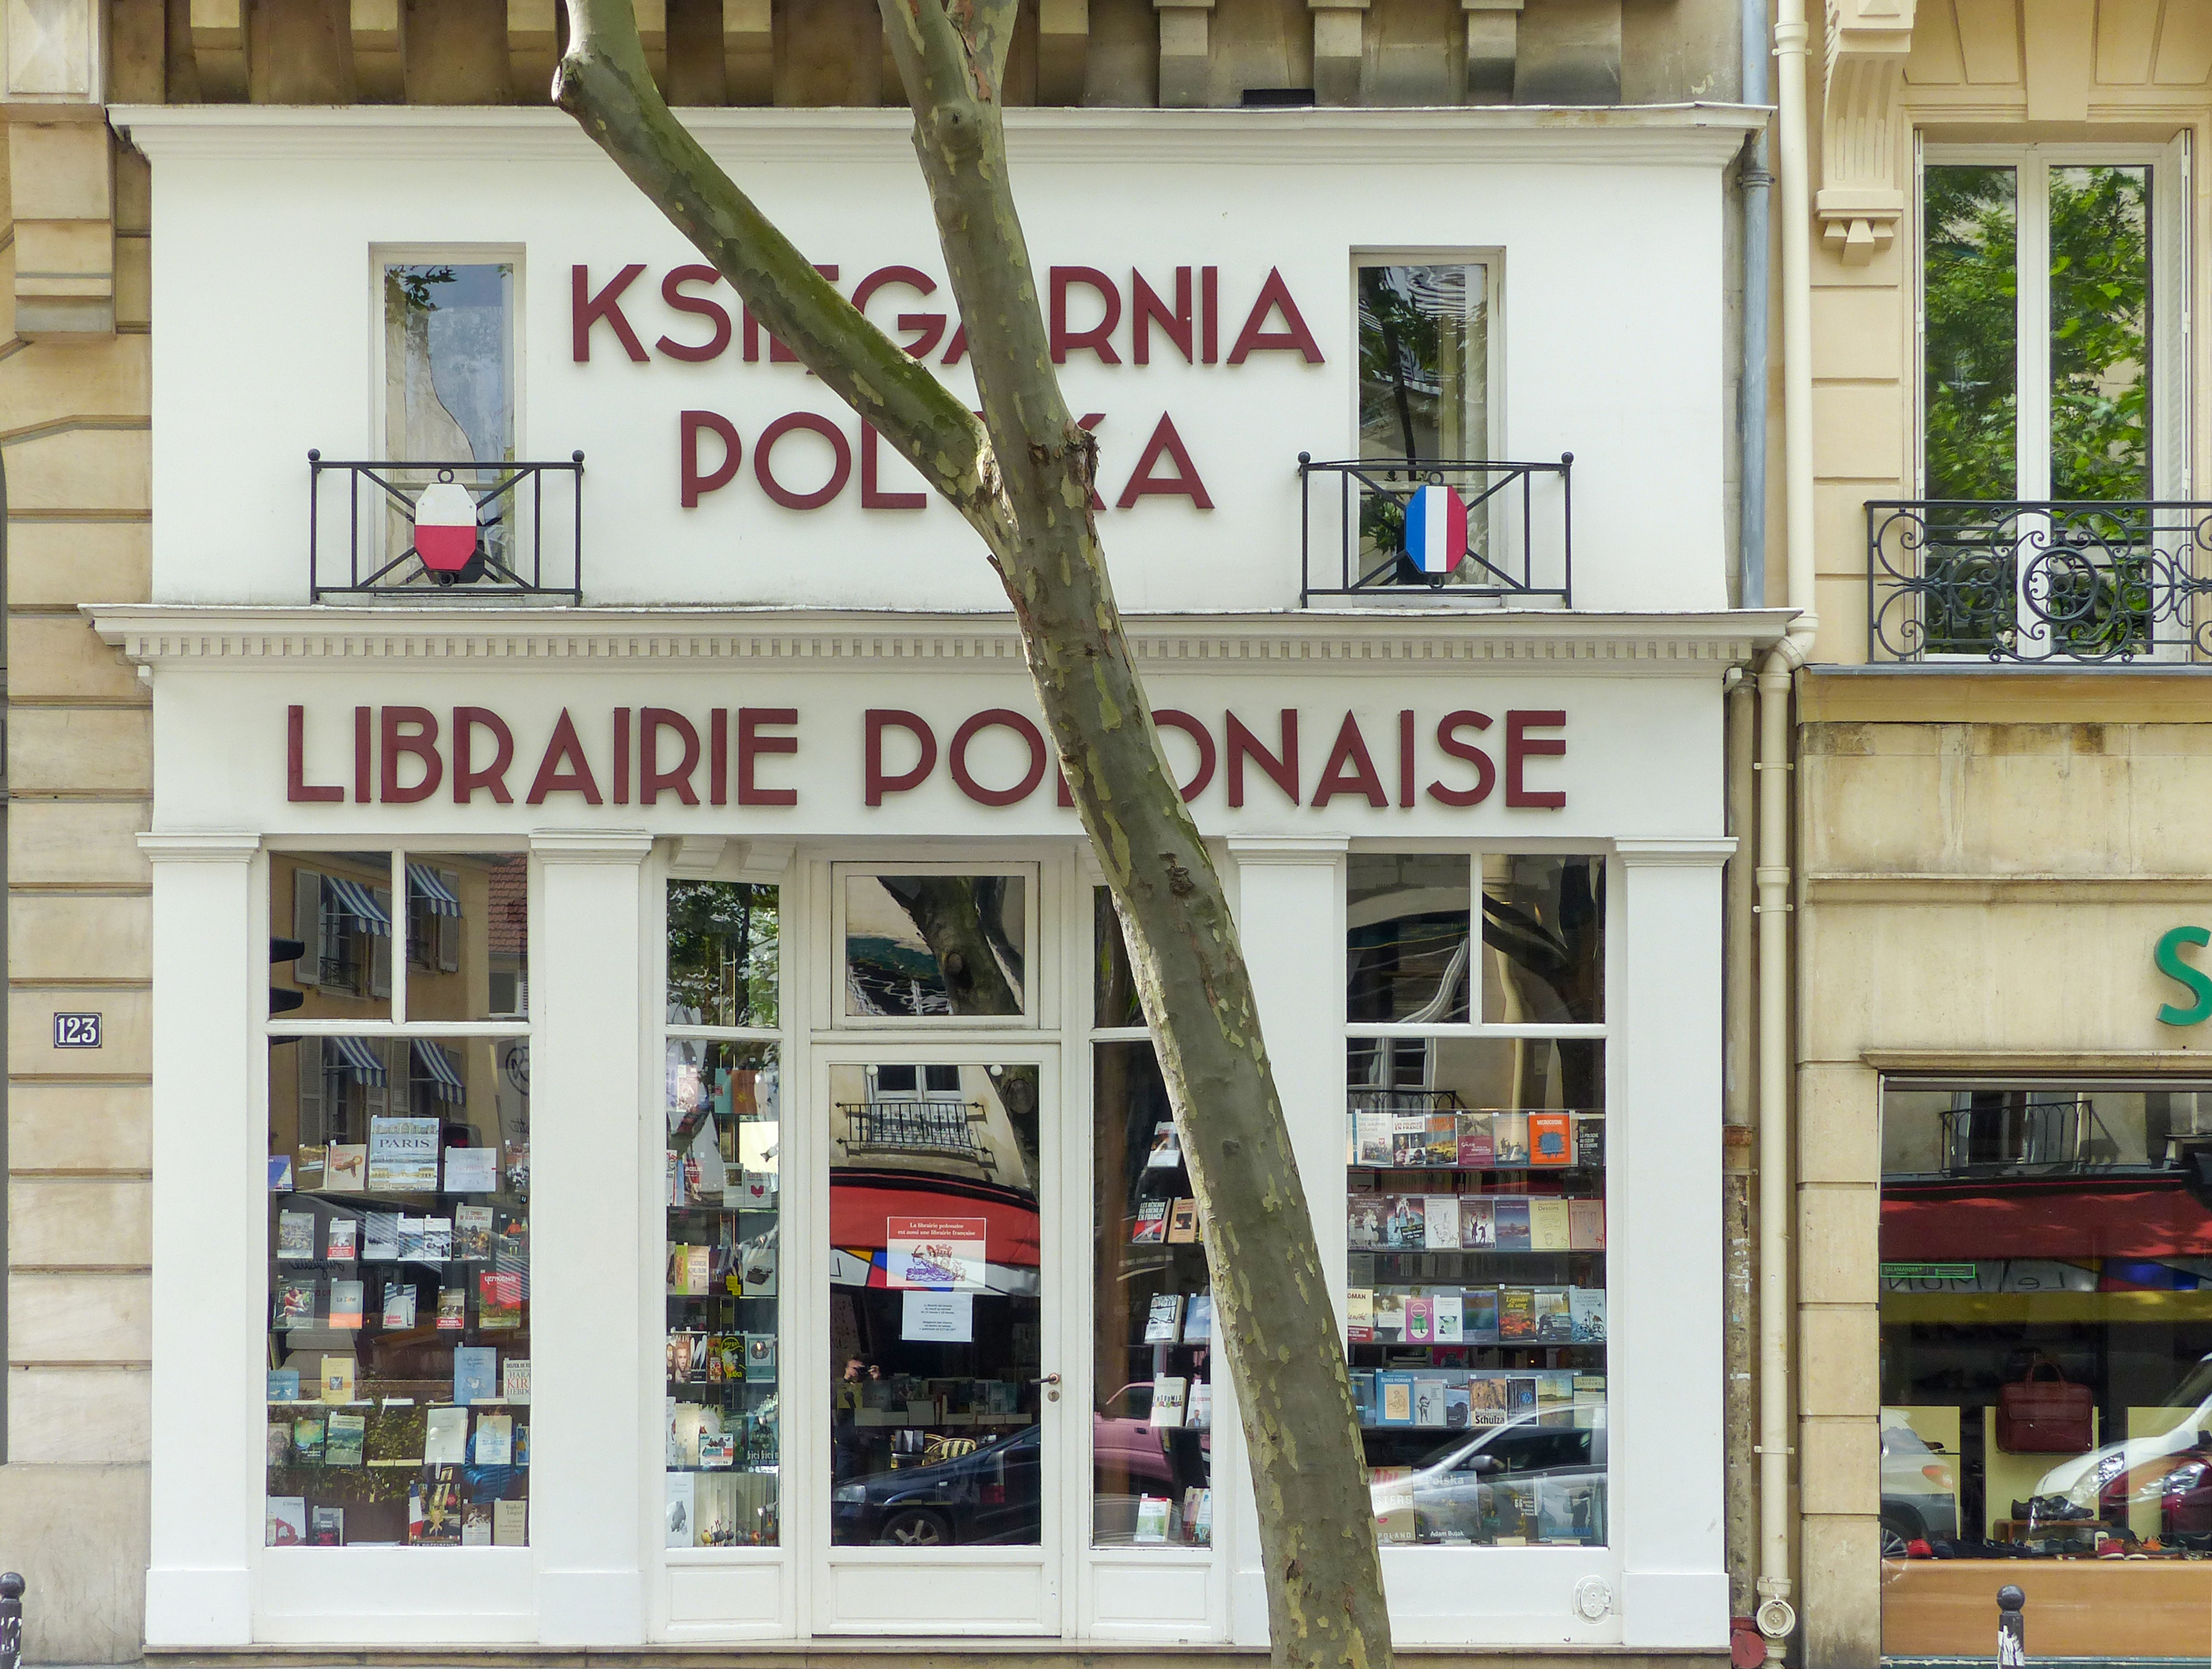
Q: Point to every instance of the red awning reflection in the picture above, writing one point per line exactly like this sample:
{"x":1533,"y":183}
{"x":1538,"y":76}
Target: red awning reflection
{"x":861,"y":1202}
{"x":2030,"y":1218}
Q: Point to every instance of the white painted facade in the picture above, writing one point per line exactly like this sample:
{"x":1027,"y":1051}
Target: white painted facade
{"x":1608,"y":230}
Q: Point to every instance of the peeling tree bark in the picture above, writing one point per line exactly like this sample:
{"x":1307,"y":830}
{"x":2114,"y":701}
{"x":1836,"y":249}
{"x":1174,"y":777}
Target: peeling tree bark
{"x":1022,"y":478}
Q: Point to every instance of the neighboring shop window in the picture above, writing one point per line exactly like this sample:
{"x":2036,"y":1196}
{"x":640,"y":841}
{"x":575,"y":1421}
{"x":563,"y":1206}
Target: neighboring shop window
{"x":724,"y":1200}
{"x":2046,"y":1356}
{"x":1152,"y":1378}
{"x":398,"y":1363}
{"x":1475,"y":1308}
{"x":920,"y":947}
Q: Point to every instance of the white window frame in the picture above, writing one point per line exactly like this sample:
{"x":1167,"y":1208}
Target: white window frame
{"x":381,"y":255}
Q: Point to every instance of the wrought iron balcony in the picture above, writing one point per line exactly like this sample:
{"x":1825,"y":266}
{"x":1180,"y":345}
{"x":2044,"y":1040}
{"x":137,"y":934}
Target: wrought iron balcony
{"x":1495,"y":533}
{"x":361,"y":540}
{"x":923,"y":1129}
{"x":2070,"y":583}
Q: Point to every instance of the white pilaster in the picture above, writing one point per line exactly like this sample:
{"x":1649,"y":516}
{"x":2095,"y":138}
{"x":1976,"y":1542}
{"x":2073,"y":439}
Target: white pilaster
{"x":211,"y":1220}
{"x":1663,"y":1241}
{"x":587,"y":1329}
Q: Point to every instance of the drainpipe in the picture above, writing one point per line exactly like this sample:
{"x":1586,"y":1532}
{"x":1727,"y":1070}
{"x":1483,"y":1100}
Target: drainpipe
{"x":1751,"y":403}
{"x":1776,"y":1617}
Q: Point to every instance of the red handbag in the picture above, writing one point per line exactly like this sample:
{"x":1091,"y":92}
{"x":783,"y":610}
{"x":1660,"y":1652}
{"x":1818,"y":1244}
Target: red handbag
{"x":2044,"y":1416}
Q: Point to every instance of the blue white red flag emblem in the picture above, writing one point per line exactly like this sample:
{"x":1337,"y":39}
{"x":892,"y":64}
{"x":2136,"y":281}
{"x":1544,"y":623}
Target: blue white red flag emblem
{"x":446,"y":527}
{"x":1435,"y":530}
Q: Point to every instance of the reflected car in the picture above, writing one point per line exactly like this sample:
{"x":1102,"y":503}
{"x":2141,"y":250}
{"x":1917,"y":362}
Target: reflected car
{"x":1919,"y":1488}
{"x":1541,"y":1475}
{"x":1124,"y":1443}
{"x":989,"y":1495}
{"x":2171,"y":1471}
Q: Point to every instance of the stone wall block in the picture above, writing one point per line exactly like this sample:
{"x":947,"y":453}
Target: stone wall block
{"x":1568,"y":52}
{"x":1838,"y":1365}
{"x":1839,"y":1245}
{"x":83,"y":750}
{"x":80,"y":1222}
{"x":1840,"y":1561}
{"x":59,"y":657}
{"x":79,"y":1317}
{"x":1184,"y":34}
{"x":69,"y":842}
{"x":1839,"y":1465}
{"x":80,"y":1126}
{"x":61,"y":1416}
{"x":1838,"y":1125}
{"x":80,"y":469}
{"x":125,"y":1045}
{"x":79,"y":1536}
{"x":56,"y":937}
{"x":59,"y":565}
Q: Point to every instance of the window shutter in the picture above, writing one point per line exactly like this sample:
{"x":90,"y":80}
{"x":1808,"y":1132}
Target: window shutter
{"x":449,"y":928}
{"x":308,"y":926}
{"x":379,"y":948}
{"x":312,"y":1127}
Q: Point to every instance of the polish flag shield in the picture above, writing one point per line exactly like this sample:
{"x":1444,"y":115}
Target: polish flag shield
{"x":446,"y":527}
{"x":1435,"y":530}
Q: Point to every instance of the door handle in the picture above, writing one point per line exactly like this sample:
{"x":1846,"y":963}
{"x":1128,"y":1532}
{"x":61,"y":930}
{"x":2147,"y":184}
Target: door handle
{"x":1051,"y":1382}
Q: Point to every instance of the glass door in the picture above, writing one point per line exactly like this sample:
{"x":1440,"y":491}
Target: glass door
{"x":939,"y":1388}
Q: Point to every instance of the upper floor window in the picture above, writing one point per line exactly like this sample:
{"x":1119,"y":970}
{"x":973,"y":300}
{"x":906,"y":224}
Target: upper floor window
{"x":449,"y":361}
{"x":1424,"y":360}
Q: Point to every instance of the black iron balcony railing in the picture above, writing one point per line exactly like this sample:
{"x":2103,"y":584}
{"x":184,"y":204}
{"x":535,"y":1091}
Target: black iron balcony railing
{"x":1495,"y":531}
{"x":932,"y":1129}
{"x":528,"y":541}
{"x":2073,"y":582}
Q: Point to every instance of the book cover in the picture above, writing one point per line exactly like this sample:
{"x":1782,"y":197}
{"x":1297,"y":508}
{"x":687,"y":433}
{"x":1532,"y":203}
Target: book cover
{"x":295,"y":1235}
{"x":1198,"y":1319}
{"x":495,"y":1439}
{"x":757,"y":1266}
{"x":1198,"y":1523}
{"x":1391,"y":1490}
{"x":1359,"y":1315}
{"x":1406,"y":1229}
{"x":1152,"y":1519}
{"x":379,"y":1237}
{"x":1479,"y":1324}
{"x":521,"y":1447}
{"x":1590,"y":1141}
{"x":398,"y":1305}
{"x":1547,"y":1225}
{"x":1475,"y":1152}
{"x":1169,"y":1399}
{"x":1456,"y":1405}
{"x":1485,"y":1400}
{"x":1363,"y":1394}
{"x":1510,"y":1217}
{"x":1520,"y":1395}
{"x":473,"y":1228}
{"x":1509,"y":1133}
{"x":307,"y":1440}
{"x":279,"y":1453}
{"x":1440,"y":1223}
{"x":1555,"y":1396}
{"x":1395,"y":1395}
{"x":1363,"y":1219}
{"x":307,"y":1169}
{"x":514,"y":1380}
{"x":452,"y":1309}
{"x":402,"y":1155}
{"x":471,"y":1170}
{"x":1420,"y":1321}
{"x":288,"y":1520}
{"x":1429,"y":1403}
{"x":682,"y":1509}
{"x":1200,"y":1416}
{"x":1567,"y":1509}
{"x":1586,"y":1308}
{"x":476,"y":1373}
{"x":1478,"y":1224}
{"x":295,"y":1304}
{"x":412,"y":1231}
{"x":1182,"y":1223}
{"x":437,"y":1239}
{"x":1167,"y":1146}
{"x":510,"y":1524}
{"x":1163,"y":1320}
{"x":280,"y":1182}
{"x":1516,"y":1314}
{"x":1409,"y":1139}
{"x":342,"y":1240}
{"x":699,"y":1269}
{"x":1551,"y":1138}
{"x":1151,"y":1225}
{"x":345,"y":1305}
{"x":1372,"y":1133}
{"x":345,"y":1167}
{"x":445,"y":1437}
{"x":760,"y":1358}
{"x":344,"y":1437}
{"x":283,"y":1385}
{"x":337,"y":1379}
{"x":1440,"y":1146}
{"x":476,"y":1525}
{"x":1450,"y":1318}
{"x":1390,"y":1315}
{"x":1555,"y":1317}
{"x":717,"y":1449}
{"x":1586,"y":1225}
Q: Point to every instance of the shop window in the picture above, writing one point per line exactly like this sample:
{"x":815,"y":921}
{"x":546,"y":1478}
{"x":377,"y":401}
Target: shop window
{"x":920,"y":947}
{"x":724,"y":1201}
{"x":2046,"y":1357}
{"x":399,"y":1359}
{"x":468,"y":936}
{"x":1475,"y":1302}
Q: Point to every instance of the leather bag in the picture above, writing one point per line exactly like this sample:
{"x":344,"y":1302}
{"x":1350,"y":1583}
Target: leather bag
{"x":2044,"y":1416}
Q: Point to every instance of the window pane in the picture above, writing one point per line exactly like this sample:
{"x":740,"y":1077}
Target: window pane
{"x":1424,"y":361}
{"x":1406,"y":949}
{"x":935,"y":1329}
{"x":1113,"y":981}
{"x":468,"y":936}
{"x":398,"y":1399}
{"x":1970,"y":225}
{"x":2046,"y":1349}
{"x":722,"y":945}
{"x":935,"y":944}
{"x":1543,"y":939}
{"x":1152,"y":1433}
{"x":724,"y":1181}
{"x":449,"y":361}
{"x":2101,"y":386}
{"x":1475,"y":1308}
{"x":336,"y":907}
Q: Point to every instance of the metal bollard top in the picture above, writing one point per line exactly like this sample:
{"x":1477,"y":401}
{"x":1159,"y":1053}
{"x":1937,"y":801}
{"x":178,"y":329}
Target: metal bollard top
{"x":2010,"y":1598}
{"x":11,"y":1586}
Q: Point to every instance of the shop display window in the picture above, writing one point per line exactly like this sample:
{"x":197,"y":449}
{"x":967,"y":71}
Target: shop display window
{"x":468,"y":936}
{"x":931,"y":946}
{"x":399,"y":1358}
{"x":1475,"y":1300}
{"x":723,"y":1097}
{"x":2045,"y":1347}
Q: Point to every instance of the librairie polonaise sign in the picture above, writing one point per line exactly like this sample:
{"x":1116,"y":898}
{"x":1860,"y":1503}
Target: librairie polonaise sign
{"x":995,"y":756}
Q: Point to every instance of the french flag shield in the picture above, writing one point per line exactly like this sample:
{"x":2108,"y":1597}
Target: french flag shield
{"x":446,"y":527}
{"x":1435,"y":530}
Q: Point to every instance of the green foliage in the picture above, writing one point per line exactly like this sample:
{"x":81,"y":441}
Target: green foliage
{"x":722,"y":950}
{"x":410,"y":286}
{"x":1972,"y":420}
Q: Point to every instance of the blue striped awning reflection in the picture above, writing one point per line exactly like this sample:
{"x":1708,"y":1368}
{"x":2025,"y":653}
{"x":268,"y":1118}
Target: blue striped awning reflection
{"x":427,"y":885}
{"x":360,"y":903}
{"x":433,"y":1062}
{"x":358,"y":1058}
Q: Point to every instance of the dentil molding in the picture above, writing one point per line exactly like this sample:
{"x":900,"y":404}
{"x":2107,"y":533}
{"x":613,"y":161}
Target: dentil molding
{"x":1860,"y":203}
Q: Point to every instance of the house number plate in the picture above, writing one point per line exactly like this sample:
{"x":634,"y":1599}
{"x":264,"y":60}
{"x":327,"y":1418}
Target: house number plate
{"x":76,"y":1031}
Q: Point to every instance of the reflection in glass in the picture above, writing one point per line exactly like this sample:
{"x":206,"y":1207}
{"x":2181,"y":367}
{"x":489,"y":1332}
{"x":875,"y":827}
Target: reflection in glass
{"x":468,"y":936}
{"x":398,"y":1366}
{"x":2101,"y":386}
{"x":1407,"y":948}
{"x":1113,"y":980}
{"x":722,"y":945}
{"x":724,"y":1250}
{"x":918,"y":945}
{"x":1970,"y":221}
{"x":338,"y":908}
{"x":1543,"y":939}
{"x":1152,"y":1433}
{"x":1424,"y":361}
{"x":933,"y":1305}
{"x":448,"y":363}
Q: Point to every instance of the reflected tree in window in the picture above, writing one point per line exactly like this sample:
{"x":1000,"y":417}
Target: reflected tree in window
{"x":1970,"y":272}
{"x":2100,"y":315}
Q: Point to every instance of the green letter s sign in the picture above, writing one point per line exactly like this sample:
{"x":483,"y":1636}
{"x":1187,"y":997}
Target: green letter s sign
{"x":2194,"y":980}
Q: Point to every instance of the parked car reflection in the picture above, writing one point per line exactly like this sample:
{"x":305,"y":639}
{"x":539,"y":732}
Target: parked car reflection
{"x":988,"y":1495}
{"x":2165,"y":1478}
{"x":1919,"y":1490}
{"x":1538,"y":1478}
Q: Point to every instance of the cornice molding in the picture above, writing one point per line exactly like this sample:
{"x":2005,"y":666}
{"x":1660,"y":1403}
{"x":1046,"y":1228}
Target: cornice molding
{"x":1860,"y":202}
{"x":210,"y":846}
{"x":622,"y":846}
{"x":1920,"y":887}
{"x":1666,"y":852}
{"x":622,"y":640}
{"x":1706,"y":134}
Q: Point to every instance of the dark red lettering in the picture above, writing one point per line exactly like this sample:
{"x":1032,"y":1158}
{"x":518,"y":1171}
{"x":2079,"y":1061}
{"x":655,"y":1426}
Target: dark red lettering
{"x":873,"y":497}
{"x":718,"y":756}
{"x":1294,"y":336}
{"x":1097,"y":337}
{"x":587,"y":310}
{"x":651,"y":778}
{"x":467,"y":779}
{"x":1146,"y":309}
{"x":622,"y":756}
{"x":1003,"y":718}
{"x":1485,"y":774}
{"x":564,"y":768}
{"x":1521,"y":747}
{"x":880,"y":719}
{"x":957,"y":350}
{"x":1169,"y":718}
{"x":1350,"y":769}
{"x":672,"y":292}
{"x":1209,"y":315}
{"x":1243,"y":745}
{"x":928,"y":327}
{"x":840,"y":470}
{"x":1405,"y":757}
{"x":362,"y":753}
{"x":297,"y":788}
{"x":751,"y":745}
{"x":698,"y":484}
{"x":413,"y":731}
{"x":1183,"y":483}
